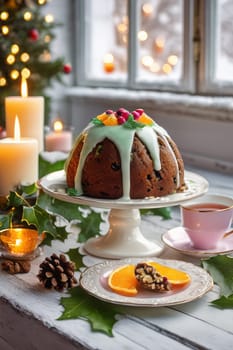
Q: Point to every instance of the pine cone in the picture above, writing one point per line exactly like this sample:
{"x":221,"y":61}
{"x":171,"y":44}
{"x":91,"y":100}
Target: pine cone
{"x":57,"y":272}
{"x":149,"y":278}
{"x":16,"y":266}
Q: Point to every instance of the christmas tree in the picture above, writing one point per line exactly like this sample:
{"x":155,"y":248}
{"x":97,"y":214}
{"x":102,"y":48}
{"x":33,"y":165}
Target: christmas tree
{"x":26,"y":35}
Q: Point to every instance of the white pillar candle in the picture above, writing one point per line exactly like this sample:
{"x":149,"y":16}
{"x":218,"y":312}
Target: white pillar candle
{"x":59,"y":139}
{"x":30,"y":111}
{"x":18,"y":162}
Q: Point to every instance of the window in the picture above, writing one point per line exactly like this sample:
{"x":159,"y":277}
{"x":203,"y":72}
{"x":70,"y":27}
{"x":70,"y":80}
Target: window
{"x":172,"y":45}
{"x":119,"y":50}
{"x":216,"y":54}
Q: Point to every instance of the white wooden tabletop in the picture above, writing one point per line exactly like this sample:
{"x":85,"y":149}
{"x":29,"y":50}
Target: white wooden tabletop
{"x":28,"y":312}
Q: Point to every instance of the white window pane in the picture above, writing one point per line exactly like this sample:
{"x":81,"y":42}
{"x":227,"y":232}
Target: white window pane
{"x":106,"y":50}
{"x":224,"y":47}
{"x":160,"y":40}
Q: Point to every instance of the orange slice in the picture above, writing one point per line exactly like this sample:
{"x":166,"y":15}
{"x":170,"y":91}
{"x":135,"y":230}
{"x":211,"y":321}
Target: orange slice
{"x":122,"y":280}
{"x":174,"y":276}
{"x":108,"y":119}
{"x":145,"y":119}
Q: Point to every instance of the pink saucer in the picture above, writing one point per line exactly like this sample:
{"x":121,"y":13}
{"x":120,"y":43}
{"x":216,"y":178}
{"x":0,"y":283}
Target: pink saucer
{"x":177,"y":239}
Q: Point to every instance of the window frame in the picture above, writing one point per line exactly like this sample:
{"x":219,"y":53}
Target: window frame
{"x":187,"y":81}
{"x":208,"y":29}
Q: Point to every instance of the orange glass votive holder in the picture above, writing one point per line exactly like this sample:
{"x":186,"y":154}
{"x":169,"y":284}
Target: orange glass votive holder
{"x":20,"y":241}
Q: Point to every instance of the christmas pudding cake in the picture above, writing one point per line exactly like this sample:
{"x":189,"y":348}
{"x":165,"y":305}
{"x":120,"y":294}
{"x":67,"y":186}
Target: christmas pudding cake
{"x":124,"y":155}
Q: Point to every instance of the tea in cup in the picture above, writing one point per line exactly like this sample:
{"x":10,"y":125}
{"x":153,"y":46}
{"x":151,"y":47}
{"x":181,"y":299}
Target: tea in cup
{"x":207,"y":219}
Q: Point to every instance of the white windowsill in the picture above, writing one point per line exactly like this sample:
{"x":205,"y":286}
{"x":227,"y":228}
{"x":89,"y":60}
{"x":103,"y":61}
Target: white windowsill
{"x":201,"y":126}
{"x":211,"y":108}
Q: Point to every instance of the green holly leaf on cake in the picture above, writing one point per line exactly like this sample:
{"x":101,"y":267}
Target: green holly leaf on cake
{"x":100,"y":315}
{"x":131,"y":123}
{"x":221,"y":269}
{"x":97,"y":122}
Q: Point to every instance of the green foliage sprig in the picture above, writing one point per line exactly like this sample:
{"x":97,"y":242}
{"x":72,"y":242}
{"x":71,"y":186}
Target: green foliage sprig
{"x":221,"y":269}
{"x":21,"y":208}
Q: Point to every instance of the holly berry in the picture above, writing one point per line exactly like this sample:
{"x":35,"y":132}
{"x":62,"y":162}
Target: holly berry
{"x":123,"y":113}
{"x":33,"y":34}
{"x":67,"y":68}
{"x":121,"y":120}
{"x":109,"y":111}
{"x":136,"y":115}
{"x":140,"y":111}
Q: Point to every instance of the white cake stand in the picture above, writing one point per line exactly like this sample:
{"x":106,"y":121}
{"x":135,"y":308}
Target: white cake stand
{"x":124,"y":237}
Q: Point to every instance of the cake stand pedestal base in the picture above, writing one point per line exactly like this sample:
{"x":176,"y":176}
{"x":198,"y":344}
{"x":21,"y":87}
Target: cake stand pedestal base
{"x":124,"y":238}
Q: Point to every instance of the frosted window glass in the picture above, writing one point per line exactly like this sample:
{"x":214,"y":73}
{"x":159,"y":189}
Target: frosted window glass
{"x":224,"y":46}
{"x":107,"y":40}
{"x":160,"y":40}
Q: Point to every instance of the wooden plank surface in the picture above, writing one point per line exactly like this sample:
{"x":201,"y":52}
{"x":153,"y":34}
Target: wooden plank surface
{"x":28,"y":312}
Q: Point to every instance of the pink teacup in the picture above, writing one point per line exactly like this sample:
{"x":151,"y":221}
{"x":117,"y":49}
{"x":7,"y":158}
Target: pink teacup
{"x":207,"y":219}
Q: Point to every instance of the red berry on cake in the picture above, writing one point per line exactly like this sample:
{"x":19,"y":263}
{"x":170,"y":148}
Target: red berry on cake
{"x":140,"y":111}
{"x":136,"y":115}
{"x":121,"y":120}
{"x":109,"y":111}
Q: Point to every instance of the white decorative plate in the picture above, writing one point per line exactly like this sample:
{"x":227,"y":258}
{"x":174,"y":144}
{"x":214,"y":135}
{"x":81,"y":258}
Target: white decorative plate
{"x":94,"y":281}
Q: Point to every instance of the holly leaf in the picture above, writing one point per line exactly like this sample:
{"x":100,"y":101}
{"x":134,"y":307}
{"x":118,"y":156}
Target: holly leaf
{"x":100,"y":315}
{"x":61,"y":235}
{"x":221,"y":269}
{"x":16,"y":200}
{"x":71,"y":191}
{"x":76,"y":257}
{"x":165,"y":213}
{"x":5,"y":221}
{"x":29,"y":190}
{"x":43,"y":221}
{"x":224,"y":302}
{"x":89,"y":226}
{"x":69,"y":211}
{"x":97,"y":122}
{"x":46,"y":166}
{"x":131,"y":123}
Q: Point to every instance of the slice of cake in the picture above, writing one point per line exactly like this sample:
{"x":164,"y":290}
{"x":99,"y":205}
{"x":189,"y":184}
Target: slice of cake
{"x":126,"y":155}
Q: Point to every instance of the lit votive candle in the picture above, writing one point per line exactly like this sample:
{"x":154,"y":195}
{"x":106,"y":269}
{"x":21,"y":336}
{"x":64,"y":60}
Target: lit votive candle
{"x":30,"y":111}
{"x":59,"y":139}
{"x":20,"y":241}
{"x":109,"y":65}
{"x":18,"y":160}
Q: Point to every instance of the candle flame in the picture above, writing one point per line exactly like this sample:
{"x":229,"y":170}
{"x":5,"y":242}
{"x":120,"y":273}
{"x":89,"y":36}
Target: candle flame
{"x":17,"y":129}
{"x":24,"y":88}
{"x":58,"y":126}
{"x":108,"y":58}
{"x":18,"y":241}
